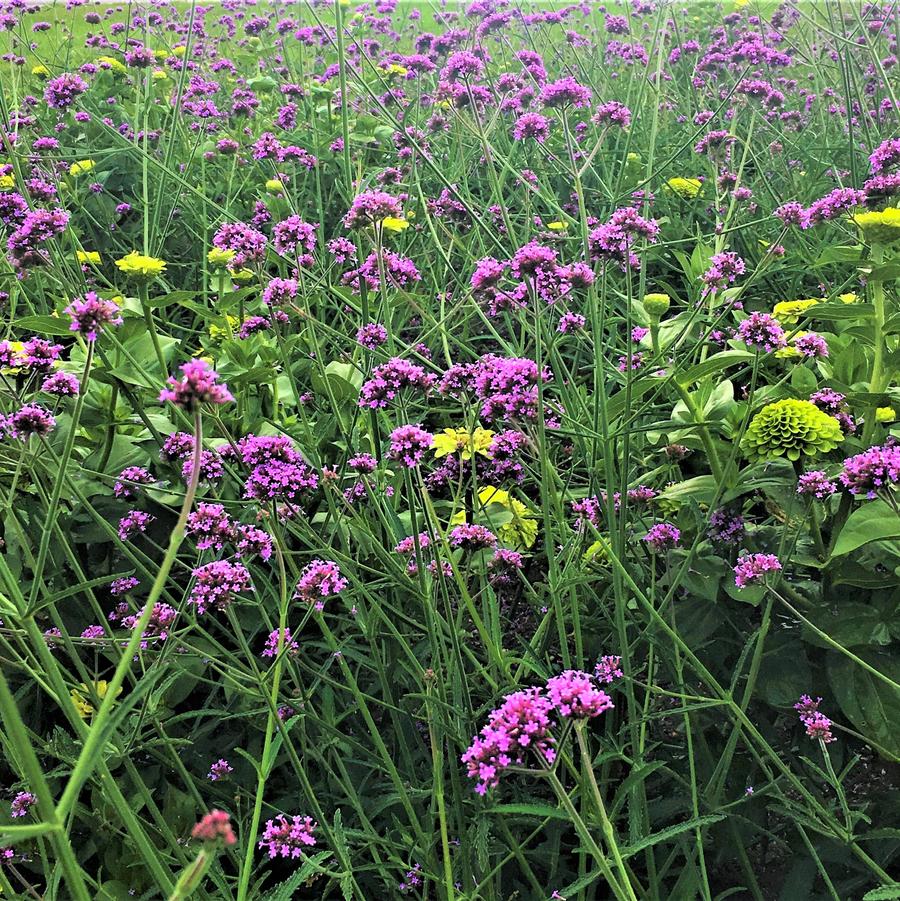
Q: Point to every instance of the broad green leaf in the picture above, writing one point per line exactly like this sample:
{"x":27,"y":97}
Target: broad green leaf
{"x":716,"y":363}
{"x":873,"y":521}
{"x":872,"y":706}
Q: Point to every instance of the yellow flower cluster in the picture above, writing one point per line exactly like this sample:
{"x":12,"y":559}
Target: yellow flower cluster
{"x":467,"y":444}
{"x":141,"y":268}
{"x":685,"y":188}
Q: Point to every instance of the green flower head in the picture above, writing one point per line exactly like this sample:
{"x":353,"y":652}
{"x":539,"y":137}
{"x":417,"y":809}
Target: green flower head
{"x":791,"y":428}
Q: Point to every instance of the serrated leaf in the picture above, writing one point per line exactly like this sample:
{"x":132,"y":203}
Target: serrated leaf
{"x":665,"y":834}
{"x":883,"y":893}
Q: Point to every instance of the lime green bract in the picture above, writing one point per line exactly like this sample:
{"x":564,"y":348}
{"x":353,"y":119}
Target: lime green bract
{"x":793,"y":429}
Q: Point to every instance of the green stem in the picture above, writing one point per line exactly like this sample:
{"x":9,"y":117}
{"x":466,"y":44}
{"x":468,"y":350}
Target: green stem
{"x":90,"y":751}
{"x":605,"y":824}
{"x":585,"y":835}
{"x":53,"y":816}
{"x":879,"y":379}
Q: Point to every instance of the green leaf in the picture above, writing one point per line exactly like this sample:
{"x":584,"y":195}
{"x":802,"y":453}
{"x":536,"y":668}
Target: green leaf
{"x":874,"y":521}
{"x":29,"y":830}
{"x":286,"y":890}
{"x":716,"y":363}
{"x":872,"y":706}
{"x":883,"y":893}
{"x":834,"y":312}
{"x":535,"y":810}
{"x":165,"y":300}
{"x":45,"y":325}
{"x":670,"y":832}
{"x":839,"y":254}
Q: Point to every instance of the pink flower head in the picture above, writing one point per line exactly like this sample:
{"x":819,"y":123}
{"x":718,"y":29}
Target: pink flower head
{"x":751,"y":569}
{"x":409,"y":444}
{"x":198,"y":385}
{"x":288,"y":837}
{"x":215,"y":826}
{"x":320,"y":579}
{"x":574,"y":694}
{"x":90,"y":313}
{"x":522,"y":723}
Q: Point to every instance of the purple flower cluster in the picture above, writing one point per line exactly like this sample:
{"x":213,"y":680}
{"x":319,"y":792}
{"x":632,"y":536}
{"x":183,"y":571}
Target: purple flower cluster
{"x":762,"y":331}
{"x":616,"y":238}
{"x":818,"y":726}
{"x":199,"y":384}
{"x":409,"y":444}
{"x":662,"y":537}
{"x":874,"y":470}
{"x":523,"y":724}
{"x":216,"y":584}
{"x":90,"y":313}
{"x":288,"y":837}
{"x":751,"y":569}
{"x":389,"y":379}
{"x":320,"y":579}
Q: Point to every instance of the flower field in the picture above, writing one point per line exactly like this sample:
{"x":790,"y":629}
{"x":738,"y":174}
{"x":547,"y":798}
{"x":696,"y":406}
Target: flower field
{"x":450,"y":451}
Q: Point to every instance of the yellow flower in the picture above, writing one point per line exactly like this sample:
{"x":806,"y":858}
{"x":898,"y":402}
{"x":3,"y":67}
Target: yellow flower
{"x":220,"y":258}
{"x":597,"y":554}
{"x":80,"y":168}
{"x":790,"y":352}
{"x":113,"y":63}
{"x":160,"y":75}
{"x":393,"y":224}
{"x":217,"y":332}
{"x":522,"y":529}
{"x":557,"y":226}
{"x":274,"y":186}
{"x":848,"y":298}
{"x":879,"y":227}
{"x":685,"y":188}
{"x":394,"y":69}
{"x":179,"y":51}
{"x":467,"y":443}
{"x":885,"y":414}
{"x":788,"y":312}
{"x":140,"y":268}
{"x":159,"y":54}
{"x":7,"y":182}
{"x":87,"y":257}
{"x":40,"y":70}
{"x":84,"y":707}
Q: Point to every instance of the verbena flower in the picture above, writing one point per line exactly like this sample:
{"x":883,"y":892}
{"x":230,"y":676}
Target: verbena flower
{"x":520,"y":725}
{"x":818,"y":726}
{"x":288,"y":836}
{"x":662,"y":536}
{"x":751,"y":569}
{"x":320,"y":579}
{"x":90,"y":313}
{"x":791,"y":428}
{"x":409,"y":444}
{"x":874,"y":470}
{"x":217,"y":584}
{"x":198,"y":384}
{"x":815,"y":484}
{"x":215,"y":827}
{"x":574,"y":694}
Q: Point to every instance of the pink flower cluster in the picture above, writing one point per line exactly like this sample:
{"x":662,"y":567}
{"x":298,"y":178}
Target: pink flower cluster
{"x":524,"y":724}
{"x":320,"y":579}
{"x":288,"y":836}
{"x":199,"y":384}
{"x":818,"y":726}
